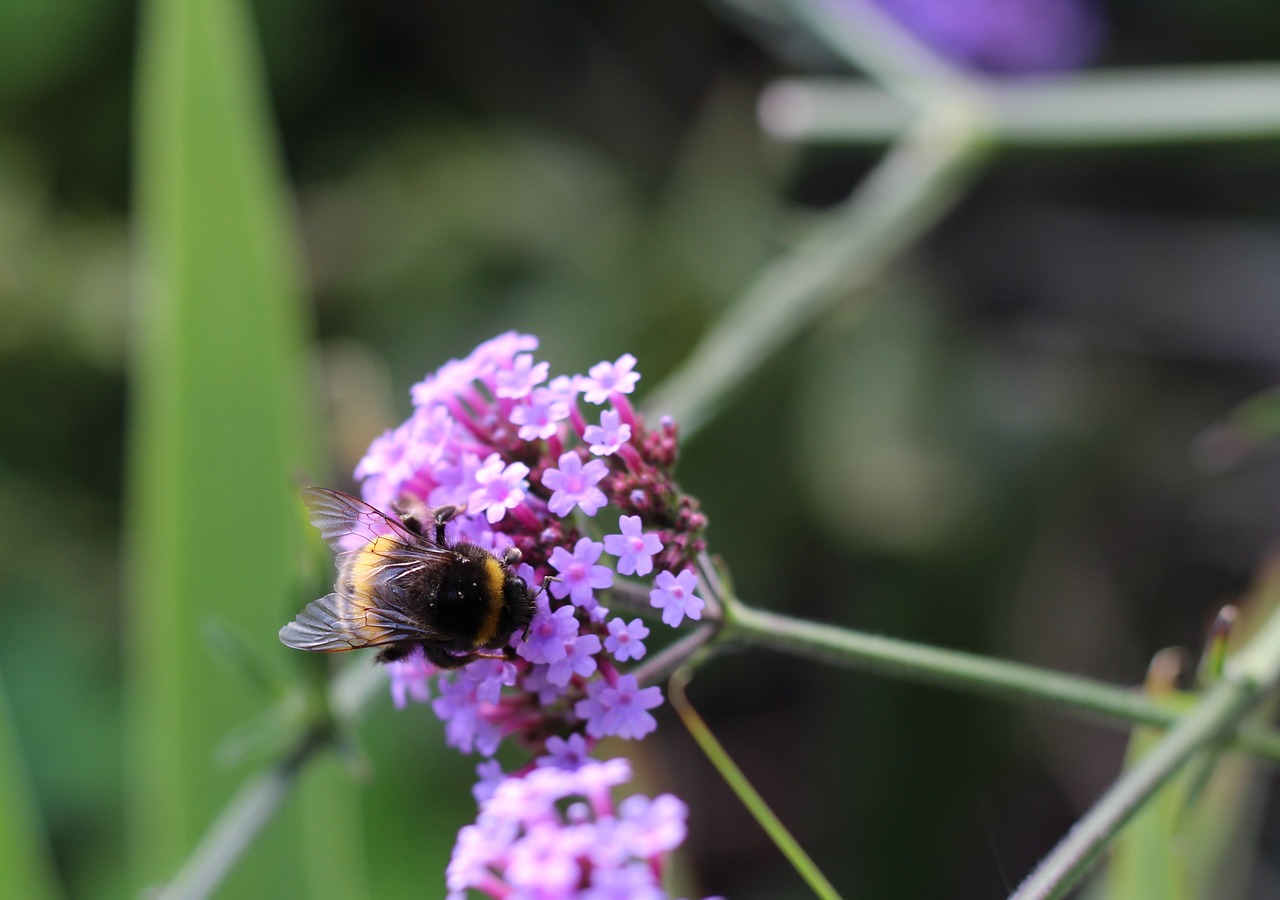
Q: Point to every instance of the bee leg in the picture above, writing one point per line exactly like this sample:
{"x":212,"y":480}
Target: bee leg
{"x":393,"y":652}
{"x":441,"y":658}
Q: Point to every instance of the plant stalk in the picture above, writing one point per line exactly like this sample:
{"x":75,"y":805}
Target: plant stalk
{"x":1247,"y":678}
{"x":969,"y":672}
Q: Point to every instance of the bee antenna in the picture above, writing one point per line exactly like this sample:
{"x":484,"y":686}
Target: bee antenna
{"x":443,"y":516}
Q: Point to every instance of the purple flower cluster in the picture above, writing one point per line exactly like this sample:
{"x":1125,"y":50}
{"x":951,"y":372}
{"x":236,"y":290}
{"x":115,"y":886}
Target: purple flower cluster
{"x":564,"y":469}
{"x":554,"y":833}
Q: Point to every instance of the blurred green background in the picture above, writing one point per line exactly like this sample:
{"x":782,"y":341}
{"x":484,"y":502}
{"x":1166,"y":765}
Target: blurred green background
{"x":992,"y":451}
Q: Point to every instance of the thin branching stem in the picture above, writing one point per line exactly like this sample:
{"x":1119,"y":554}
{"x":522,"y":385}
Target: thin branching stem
{"x":745,"y":791}
{"x":1246,"y":680}
{"x":970,"y":672}
{"x":918,"y":180}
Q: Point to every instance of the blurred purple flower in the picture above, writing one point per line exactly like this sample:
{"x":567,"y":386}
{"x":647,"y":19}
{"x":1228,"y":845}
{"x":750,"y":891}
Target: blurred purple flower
{"x":533,"y":839}
{"x":1003,"y":36}
{"x":607,"y":437}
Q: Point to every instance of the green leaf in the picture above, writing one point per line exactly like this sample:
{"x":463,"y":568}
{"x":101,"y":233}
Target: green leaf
{"x":220,"y":432}
{"x":1191,"y":840}
{"x":24,"y":856}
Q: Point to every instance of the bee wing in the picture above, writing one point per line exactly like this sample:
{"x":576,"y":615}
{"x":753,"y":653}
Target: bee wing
{"x":336,"y":622}
{"x":347,"y":522}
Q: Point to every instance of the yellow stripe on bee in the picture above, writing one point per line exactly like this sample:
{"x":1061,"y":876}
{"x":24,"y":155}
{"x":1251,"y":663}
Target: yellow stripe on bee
{"x":492,"y":578}
{"x":364,"y":568}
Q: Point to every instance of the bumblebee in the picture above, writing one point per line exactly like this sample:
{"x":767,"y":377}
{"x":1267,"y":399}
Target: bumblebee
{"x":402,"y":585}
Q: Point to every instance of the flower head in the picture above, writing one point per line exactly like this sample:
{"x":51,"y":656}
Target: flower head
{"x":556,"y":834}
{"x":501,"y":437}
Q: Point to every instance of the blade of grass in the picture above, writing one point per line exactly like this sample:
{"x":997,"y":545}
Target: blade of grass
{"x":218,"y":434}
{"x":24,"y":855}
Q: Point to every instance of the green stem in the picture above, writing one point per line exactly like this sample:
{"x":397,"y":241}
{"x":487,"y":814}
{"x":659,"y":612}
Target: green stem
{"x":258,"y":799}
{"x":1099,"y":109}
{"x":744,"y":790}
{"x":918,"y":180}
{"x":673,"y":657}
{"x":239,"y":823}
{"x":969,"y":672}
{"x":1246,"y":680}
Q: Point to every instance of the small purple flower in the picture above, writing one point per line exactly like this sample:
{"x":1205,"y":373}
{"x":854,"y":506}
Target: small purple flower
{"x":564,"y":387}
{"x":674,"y":595}
{"x":521,"y":378}
{"x":487,"y":677}
{"x":450,"y":379}
{"x":499,"y":352}
{"x":538,"y":420}
{"x":580,"y":577}
{"x":609,"y":435}
{"x":625,"y":641}
{"x":409,"y":679}
{"x":653,"y":826}
{"x":535,"y":839}
{"x":566,"y":753}
{"x":608,"y":378}
{"x":574,"y":484}
{"x":544,"y":863}
{"x":579,"y":659}
{"x":549,"y":635}
{"x":455,"y":481}
{"x":501,"y":488}
{"x":635,"y":551}
{"x":535,"y":682}
{"x":633,"y":881}
{"x":465,"y":725}
{"x":619,"y":710}
{"x":489,"y":775}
